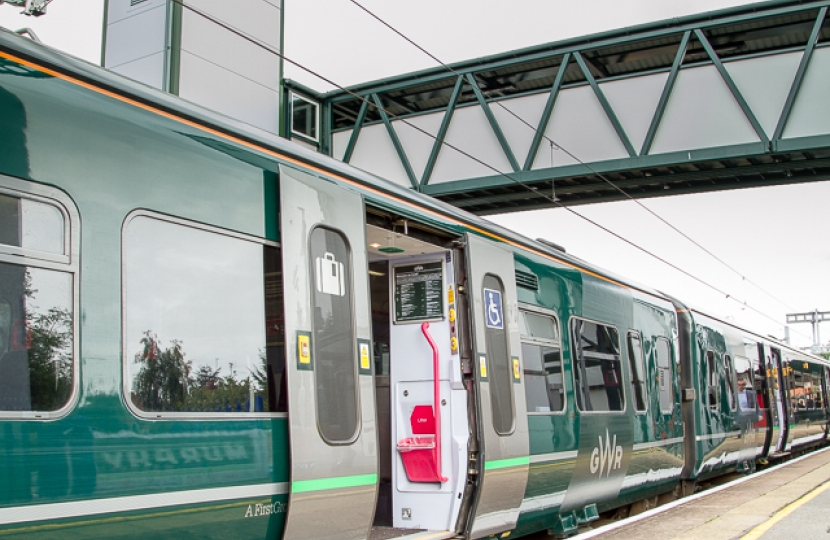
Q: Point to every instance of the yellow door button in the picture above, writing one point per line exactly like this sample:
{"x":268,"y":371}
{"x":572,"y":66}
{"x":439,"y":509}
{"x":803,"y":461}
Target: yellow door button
{"x":452,"y":314}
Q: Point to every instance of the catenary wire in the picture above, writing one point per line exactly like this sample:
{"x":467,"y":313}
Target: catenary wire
{"x":574,"y":157}
{"x":268,"y":48}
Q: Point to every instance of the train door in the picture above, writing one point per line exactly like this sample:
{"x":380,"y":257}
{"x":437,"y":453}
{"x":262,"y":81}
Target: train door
{"x":778,"y":408}
{"x":501,"y":414}
{"x":421,"y":398}
{"x":333,"y":438}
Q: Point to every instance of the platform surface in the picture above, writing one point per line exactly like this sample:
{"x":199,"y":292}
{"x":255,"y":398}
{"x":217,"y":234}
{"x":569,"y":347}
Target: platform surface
{"x":788,"y":501}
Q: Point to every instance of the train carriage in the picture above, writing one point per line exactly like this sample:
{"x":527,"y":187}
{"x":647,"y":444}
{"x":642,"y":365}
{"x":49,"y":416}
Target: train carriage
{"x":210,"y":332}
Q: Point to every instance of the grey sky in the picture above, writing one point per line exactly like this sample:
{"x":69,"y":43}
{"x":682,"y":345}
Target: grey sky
{"x":772,"y":236}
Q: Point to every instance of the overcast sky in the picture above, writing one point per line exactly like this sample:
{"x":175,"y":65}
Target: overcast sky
{"x":774,"y":237}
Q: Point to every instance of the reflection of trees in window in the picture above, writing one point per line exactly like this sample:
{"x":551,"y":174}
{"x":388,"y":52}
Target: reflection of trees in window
{"x":167,"y":382}
{"x":36,"y":360}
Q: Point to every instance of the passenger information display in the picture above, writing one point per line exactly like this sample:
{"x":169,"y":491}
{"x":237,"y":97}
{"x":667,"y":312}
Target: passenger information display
{"x":419,"y":292}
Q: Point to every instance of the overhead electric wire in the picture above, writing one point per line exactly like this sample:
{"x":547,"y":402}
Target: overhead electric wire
{"x":268,"y":48}
{"x":574,"y":157}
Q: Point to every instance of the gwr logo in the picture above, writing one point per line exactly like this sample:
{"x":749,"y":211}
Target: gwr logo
{"x":606,"y":457}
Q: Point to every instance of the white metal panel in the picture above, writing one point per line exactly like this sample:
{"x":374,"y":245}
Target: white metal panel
{"x":258,"y":18}
{"x":339,"y":142}
{"x":121,"y":9}
{"x":811,"y":112}
{"x":148,"y":70}
{"x":374,"y":152}
{"x":228,"y":93}
{"x":765,"y":83}
{"x":579,"y":125}
{"x":417,"y":144}
{"x":701,"y":113}
{"x":136,"y":37}
{"x":519,"y":134}
{"x":634,"y":102}
{"x":470,"y":132}
{"x":205,"y":39}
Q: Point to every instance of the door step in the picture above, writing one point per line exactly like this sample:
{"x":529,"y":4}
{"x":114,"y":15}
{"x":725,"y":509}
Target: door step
{"x":389,"y":533}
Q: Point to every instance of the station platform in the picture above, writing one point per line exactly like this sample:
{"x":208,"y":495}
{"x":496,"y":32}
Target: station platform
{"x":790,"y":500}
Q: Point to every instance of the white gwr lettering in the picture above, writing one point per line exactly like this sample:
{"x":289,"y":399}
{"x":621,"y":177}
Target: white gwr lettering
{"x":606,"y":457}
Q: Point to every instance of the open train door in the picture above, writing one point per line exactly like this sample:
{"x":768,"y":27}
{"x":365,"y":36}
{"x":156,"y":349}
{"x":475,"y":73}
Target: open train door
{"x":331,"y":408}
{"x":500,"y":398}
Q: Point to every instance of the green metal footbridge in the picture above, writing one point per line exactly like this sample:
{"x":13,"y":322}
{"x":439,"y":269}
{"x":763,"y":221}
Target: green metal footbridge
{"x":722,"y":100}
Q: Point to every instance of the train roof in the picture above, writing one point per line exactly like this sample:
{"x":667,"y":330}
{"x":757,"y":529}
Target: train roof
{"x":56,"y":63}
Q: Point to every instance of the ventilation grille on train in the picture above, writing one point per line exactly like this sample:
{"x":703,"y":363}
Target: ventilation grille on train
{"x":136,"y":2}
{"x":527,"y":280}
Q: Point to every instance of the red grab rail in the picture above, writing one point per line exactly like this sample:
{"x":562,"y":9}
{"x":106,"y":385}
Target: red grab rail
{"x":436,"y":400}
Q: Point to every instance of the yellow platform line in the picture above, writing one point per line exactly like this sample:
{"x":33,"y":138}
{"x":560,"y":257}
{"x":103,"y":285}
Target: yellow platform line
{"x":759,"y":531}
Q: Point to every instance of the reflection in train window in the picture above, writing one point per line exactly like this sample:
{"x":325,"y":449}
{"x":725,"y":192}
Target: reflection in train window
{"x":637,"y":367}
{"x":36,"y":350}
{"x":37,"y":335}
{"x":712,"y":379}
{"x":333,"y":343}
{"x":5,"y":325}
{"x":203,"y":312}
{"x":729,"y":373}
{"x":597,"y":370}
{"x":33,"y":226}
{"x":664,"y":377}
{"x":542,"y":357}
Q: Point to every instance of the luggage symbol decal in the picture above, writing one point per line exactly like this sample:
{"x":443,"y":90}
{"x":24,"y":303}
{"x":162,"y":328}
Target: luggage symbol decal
{"x":329,"y":274}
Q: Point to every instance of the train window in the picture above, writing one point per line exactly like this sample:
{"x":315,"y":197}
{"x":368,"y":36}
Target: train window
{"x":729,"y":373}
{"x":333,"y":338}
{"x":501,"y":369}
{"x":36,"y":369}
{"x":32,"y":226}
{"x":203,"y":320}
{"x":597,"y":371}
{"x":637,"y":367}
{"x":712,"y":379}
{"x":542,"y":357}
{"x":37,"y":306}
{"x":664,"y":378}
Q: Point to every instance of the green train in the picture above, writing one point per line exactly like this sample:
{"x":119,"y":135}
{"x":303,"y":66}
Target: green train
{"x":210,"y":332}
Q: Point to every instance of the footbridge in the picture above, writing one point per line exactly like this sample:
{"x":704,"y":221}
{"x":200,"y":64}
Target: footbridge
{"x":722,"y":100}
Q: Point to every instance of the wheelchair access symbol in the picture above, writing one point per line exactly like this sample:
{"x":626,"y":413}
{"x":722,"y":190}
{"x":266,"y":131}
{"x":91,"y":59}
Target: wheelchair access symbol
{"x":492,"y":309}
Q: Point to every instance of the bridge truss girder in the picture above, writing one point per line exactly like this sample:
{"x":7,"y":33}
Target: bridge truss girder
{"x":458,"y":135}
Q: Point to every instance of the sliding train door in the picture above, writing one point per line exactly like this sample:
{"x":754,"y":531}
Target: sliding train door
{"x":331,"y":411}
{"x":501,"y":410}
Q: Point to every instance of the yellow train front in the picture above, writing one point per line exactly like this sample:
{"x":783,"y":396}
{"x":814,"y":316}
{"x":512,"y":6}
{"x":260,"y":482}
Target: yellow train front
{"x":208,"y":332}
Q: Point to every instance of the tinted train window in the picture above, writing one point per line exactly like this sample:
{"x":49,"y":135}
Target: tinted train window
{"x":729,"y":373}
{"x":712,"y":379}
{"x":597,"y":370}
{"x":542,"y":357}
{"x":334,"y":347}
{"x":37,"y":328}
{"x":664,"y":377}
{"x":500,"y":364}
{"x":203,"y":312}
{"x":638,"y":371}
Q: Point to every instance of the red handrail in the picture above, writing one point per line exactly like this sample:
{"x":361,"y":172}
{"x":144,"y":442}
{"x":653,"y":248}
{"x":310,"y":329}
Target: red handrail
{"x":436,"y":400}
